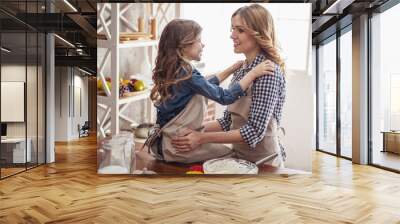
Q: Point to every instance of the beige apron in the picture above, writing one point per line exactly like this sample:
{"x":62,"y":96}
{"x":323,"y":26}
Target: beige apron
{"x":270,"y":144}
{"x":191,"y":117}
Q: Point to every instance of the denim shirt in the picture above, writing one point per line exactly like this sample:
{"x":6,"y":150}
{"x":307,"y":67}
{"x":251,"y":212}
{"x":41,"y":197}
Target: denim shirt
{"x":197,"y":84}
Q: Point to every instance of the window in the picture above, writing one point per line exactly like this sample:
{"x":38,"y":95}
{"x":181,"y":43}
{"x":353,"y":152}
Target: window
{"x":22,"y":61}
{"x":394,"y":101}
{"x":385,"y":87}
{"x":327,"y":96}
{"x":346,"y":94}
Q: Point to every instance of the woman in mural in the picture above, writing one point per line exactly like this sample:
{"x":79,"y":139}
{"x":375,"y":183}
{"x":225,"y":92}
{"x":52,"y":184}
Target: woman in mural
{"x":180,"y":90}
{"x":251,"y":123}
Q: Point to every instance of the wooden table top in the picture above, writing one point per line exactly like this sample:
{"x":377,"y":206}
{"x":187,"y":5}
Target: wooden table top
{"x":142,"y":160}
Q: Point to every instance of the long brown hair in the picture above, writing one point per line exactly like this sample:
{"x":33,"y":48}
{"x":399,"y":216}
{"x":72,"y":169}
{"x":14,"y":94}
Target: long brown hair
{"x":259,"y":24}
{"x":171,"y":68}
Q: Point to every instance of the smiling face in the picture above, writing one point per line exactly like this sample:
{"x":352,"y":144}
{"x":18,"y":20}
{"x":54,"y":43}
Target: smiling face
{"x":242,"y":41}
{"x":194,"y":50}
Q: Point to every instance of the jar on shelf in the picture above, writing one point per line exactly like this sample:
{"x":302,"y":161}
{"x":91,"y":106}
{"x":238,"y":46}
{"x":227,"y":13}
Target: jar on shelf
{"x":118,"y":154}
{"x":140,"y":24}
{"x":153,"y":28}
{"x":130,"y":150}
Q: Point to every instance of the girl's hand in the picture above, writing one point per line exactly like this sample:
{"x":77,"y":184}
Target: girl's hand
{"x":236,"y":66}
{"x":228,"y":71}
{"x":264,"y":68}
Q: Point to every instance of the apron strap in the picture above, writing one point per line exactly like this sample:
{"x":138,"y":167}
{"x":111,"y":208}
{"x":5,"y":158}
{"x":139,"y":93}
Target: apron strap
{"x":283,"y":130}
{"x":153,"y":134}
{"x":282,"y":149}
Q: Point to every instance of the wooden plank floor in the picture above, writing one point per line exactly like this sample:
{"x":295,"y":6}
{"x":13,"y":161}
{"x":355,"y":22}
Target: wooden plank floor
{"x":10,"y":171}
{"x":70,"y":191}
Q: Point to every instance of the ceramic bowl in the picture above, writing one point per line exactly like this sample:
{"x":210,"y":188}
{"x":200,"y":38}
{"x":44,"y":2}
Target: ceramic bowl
{"x":142,"y":131}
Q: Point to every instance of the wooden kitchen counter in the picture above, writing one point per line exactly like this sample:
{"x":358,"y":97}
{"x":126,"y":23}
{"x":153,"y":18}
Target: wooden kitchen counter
{"x":145,"y":161}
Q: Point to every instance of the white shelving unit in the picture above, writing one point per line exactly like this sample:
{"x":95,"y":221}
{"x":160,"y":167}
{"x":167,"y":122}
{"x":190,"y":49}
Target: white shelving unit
{"x":111,"y":103}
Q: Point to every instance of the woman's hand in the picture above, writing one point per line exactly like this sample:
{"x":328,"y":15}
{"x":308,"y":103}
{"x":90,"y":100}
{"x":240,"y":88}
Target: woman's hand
{"x":264,"y":68}
{"x":186,"y":141}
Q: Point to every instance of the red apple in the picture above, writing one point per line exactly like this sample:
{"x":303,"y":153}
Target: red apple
{"x":133,"y":81}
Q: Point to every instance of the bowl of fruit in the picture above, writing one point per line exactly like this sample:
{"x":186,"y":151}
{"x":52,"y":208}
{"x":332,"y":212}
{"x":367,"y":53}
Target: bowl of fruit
{"x":131,"y":87}
{"x":127,"y":87}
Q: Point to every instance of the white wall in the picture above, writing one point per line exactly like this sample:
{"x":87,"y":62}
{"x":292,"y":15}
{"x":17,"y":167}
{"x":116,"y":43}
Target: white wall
{"x":298,"y":120}
{"x":61,"y":104}
{"x":290,"y":20}
{"x":67,"y":83}
{"x":14,"y":73}
{"x":80,"y":83}
{"x":17,"y":73}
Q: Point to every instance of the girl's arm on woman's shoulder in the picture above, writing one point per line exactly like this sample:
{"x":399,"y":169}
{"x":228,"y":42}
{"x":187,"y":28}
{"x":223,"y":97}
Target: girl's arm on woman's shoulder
{"x":199,"y":85}
{"x":228,"y":71}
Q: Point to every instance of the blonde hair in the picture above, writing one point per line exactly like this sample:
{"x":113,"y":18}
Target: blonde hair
{"x":259,"y":24}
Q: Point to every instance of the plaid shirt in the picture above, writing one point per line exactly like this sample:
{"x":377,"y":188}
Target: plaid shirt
{"x":268,"y":98}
